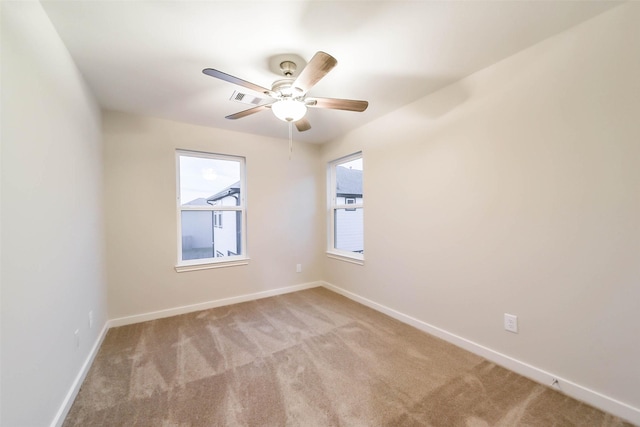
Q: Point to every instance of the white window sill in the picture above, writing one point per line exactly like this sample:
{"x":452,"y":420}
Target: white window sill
{"x":347,"y":258}
{"x":181,"y":268}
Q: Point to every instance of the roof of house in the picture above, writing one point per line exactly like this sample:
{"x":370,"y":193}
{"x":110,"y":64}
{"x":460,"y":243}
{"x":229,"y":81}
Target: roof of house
{"x":229,"y":191}
{"x":200,"y":201}
{"x":349,"y":182}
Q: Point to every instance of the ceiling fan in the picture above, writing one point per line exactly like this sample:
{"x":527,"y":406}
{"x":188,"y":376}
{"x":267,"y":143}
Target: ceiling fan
{"x":288,"y":97}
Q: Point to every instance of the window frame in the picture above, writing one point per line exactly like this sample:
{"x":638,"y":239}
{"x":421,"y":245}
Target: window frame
{"x":333,"y":206}
{"x":215,"y":262}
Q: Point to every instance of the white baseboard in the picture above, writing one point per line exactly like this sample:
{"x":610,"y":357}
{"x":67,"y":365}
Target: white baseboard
{"x":137,"y":318}
{"x":574,"y":390}
{"x":58,"y":420}
{"x":563,"y":385}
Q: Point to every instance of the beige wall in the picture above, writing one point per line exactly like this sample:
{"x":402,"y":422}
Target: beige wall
{"x":517,"y":190}
{"x":52,"y":271}
{"x":284,"y":217}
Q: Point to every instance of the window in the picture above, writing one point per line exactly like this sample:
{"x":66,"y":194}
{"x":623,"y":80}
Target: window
{"x":211,"y":210}
{"x":346,"y":209}
{"x":217,"y":219}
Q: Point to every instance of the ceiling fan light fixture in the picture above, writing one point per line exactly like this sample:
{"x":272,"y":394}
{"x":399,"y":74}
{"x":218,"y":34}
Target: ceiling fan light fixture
{"x":289,"y":110}
{"x":287,"y":97}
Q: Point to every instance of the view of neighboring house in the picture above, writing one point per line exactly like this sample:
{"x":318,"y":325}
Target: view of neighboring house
{"x":217,"y":233}
{"x":349,"y":230}
{"x":212,"y":233}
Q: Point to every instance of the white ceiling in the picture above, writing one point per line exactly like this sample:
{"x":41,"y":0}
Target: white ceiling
{"x":146,"y":57}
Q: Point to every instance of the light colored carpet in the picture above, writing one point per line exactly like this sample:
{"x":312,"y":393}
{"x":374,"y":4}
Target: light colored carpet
{"x":310,"y":358}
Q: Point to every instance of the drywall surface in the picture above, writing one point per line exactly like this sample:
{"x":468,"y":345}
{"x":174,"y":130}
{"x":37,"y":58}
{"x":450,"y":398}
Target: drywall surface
{"x":52,"y":227}
{"x":284,"y":219}
{"x":517,"y":190}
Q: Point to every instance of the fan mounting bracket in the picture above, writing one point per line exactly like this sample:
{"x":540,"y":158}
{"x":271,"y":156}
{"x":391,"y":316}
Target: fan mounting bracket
{"x":288,"y":68}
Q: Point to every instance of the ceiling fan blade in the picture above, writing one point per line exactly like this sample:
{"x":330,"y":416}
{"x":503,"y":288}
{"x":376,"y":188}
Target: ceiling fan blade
{"x":248,"y":112}
{"x":303,"y":124}
{"x":337,"y":104}
{"x":236,"y":81}
{"x":317,"y":68}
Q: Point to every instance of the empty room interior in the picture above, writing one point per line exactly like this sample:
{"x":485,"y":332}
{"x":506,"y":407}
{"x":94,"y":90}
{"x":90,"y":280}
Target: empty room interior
{"x":443,"y":229}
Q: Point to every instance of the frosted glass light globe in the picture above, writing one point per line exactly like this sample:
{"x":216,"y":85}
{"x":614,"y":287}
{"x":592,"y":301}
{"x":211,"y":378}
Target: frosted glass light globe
{"x":289,"y":110}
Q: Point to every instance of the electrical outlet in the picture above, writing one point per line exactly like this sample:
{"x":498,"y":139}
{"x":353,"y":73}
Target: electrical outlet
{"x":76,"y":334}
{"x":511,"y":323}
{"x":90,"y":319}
{"x":298,"y":268}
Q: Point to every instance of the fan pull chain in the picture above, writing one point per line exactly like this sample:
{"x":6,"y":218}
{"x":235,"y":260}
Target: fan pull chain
{"x":290,"y":139}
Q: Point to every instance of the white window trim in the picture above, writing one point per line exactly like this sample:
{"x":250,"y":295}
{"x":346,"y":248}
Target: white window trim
{"x":208,"y":263}
{"x":346,"y":258}
{"x":332,"y":252}
{"x":186,"y":266}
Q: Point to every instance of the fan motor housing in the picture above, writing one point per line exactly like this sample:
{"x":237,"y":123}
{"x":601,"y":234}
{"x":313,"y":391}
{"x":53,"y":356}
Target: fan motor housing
{"x":283,"y":87}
